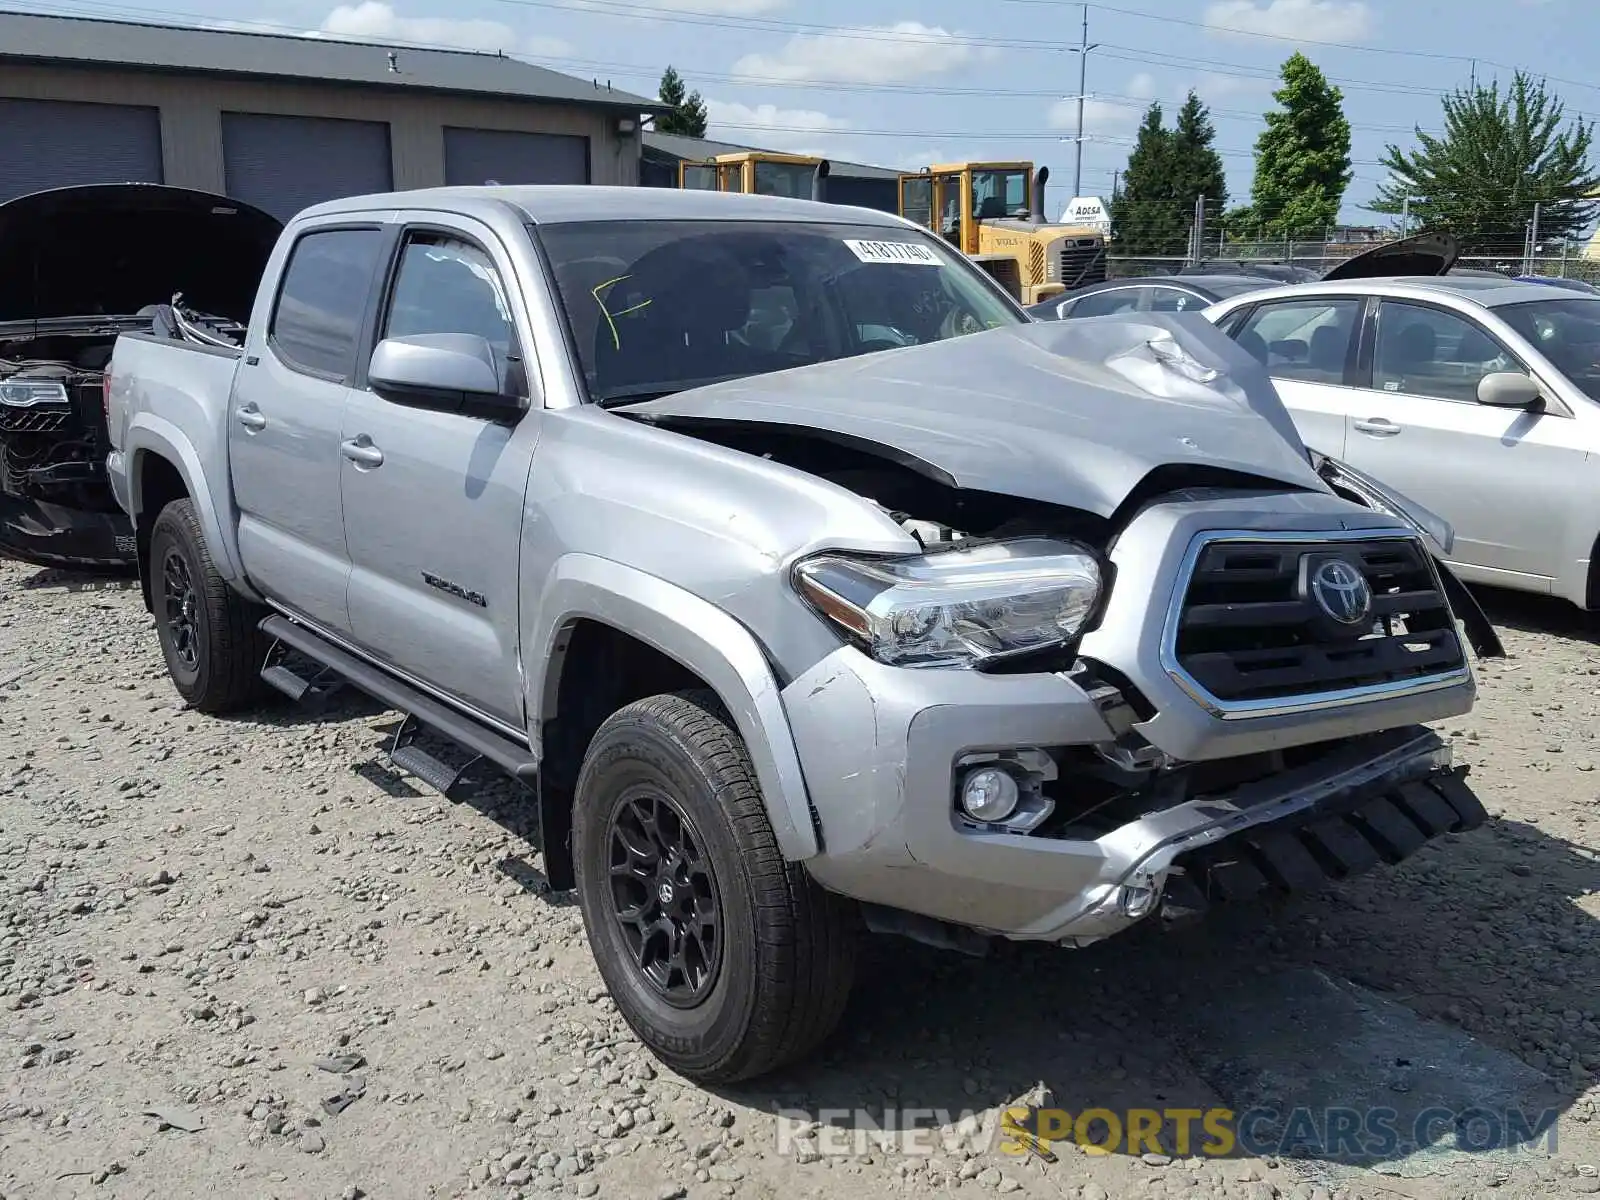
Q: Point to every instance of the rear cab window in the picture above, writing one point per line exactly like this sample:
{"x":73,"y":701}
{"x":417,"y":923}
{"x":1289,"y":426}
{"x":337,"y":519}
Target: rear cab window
{"x":316,"y":321}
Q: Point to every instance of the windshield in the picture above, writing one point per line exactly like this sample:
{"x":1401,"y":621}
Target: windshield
{"x":660,"y":306}
{"x":999,"y":194}
{"x":1567,"y":332}
{"x":784,"y":179}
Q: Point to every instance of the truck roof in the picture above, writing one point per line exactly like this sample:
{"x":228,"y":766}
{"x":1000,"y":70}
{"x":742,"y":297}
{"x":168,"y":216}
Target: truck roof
{"x":556,"y":204}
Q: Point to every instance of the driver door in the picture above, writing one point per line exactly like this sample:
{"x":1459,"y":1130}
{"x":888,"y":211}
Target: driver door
{"x":433,"y":500}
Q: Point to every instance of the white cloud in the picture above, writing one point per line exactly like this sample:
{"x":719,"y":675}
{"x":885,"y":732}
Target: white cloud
{"x":1114,"y":116}
{"x":1212,"y":87}
{"x":374,"y":21}
{"x":1309,"y":20}
{"x":894,"y":53}
{"x":797,"y":130}
{"x":717,"y":7}
{"x":1142,"y":85}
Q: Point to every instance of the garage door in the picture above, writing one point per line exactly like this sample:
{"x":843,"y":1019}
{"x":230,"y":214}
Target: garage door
{"x":284,"y":164}
{"x":474,"y":156}
{"x":57,"y":143}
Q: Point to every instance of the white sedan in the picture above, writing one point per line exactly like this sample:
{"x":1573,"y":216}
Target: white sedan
{"x":1477,"y":397}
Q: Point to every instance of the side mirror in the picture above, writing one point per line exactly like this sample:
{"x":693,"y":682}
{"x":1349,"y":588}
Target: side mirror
{"x":450,"y":372}
{"x":1508,"y":389}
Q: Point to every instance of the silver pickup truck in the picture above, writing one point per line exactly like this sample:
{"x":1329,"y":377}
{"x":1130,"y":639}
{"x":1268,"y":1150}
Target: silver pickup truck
{"x":806,"y":583}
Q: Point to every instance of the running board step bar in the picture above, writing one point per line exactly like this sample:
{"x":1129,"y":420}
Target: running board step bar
{"x":335,"y":665}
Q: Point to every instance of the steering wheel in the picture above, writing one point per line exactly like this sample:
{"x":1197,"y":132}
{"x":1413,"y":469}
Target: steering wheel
{"x":873,"y":345}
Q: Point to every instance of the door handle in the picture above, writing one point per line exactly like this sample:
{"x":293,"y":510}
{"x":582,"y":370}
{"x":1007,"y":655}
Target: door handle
{"x":362,"y":452}
{"x":250,"y":417}
{"x":1378,"y":427}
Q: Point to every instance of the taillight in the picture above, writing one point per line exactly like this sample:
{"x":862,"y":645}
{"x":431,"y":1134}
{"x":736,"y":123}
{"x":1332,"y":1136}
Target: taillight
{"x":105,"y":397}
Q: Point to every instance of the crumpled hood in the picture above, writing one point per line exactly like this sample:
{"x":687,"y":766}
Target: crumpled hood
{"x":1074,"y":413}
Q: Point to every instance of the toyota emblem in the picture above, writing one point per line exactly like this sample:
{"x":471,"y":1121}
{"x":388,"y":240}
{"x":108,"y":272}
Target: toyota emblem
{"x":1342,"y":592}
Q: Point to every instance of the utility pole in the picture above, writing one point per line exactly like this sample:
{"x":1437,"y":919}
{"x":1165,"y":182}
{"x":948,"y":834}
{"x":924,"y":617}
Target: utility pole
{"x":1533,"y":242}
{"x":1082,"y":51}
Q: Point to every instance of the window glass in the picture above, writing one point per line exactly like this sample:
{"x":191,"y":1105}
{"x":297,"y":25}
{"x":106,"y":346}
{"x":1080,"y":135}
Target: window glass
{"x":1425,"y":351}
{"x":999,"y":194}
{"x":1165,"y":299}
{"x":950,"y":208}
{"x":1112,"y":300}
{"x":916,"y":200}
{"x":1567,"y":332}
{"x":660,"y":306}
{"x":446,"y":285}
{"x":699,"y":177}
{"x":1302,"y":339}
{"x":324,"y":296}
{"x":784,"y":179}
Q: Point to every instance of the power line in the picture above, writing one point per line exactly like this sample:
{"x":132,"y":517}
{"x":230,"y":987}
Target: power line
{"x":1134,"y":54}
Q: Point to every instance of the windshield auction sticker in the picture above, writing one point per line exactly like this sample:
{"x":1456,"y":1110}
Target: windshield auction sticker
{"x":908,"y":253}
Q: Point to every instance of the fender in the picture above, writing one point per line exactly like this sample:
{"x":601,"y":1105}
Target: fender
{"x":703,"y":639}
{"x":149,"y":434}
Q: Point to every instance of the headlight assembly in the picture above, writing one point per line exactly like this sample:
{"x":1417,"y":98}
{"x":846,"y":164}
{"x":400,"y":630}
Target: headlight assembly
{"x":957,"y":608}
{"x":29,"y":393}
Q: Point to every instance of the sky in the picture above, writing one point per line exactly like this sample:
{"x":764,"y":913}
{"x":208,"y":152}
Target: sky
{"x":907,"y":83}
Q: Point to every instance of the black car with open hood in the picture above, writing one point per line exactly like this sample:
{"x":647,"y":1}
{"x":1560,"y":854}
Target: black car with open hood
{"x":78,"y":266}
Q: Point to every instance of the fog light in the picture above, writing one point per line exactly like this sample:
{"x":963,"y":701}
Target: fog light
{"x":1137,"y":899}
{"x":989,"y":794}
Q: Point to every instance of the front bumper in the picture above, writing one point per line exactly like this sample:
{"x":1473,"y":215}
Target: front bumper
{"x":882,"y":781}
{"x":881,"y":750}
{"x":48,"y":535}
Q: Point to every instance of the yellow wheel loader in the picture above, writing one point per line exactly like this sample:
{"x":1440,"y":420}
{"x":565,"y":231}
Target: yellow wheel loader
{"x":757,"y":173}
{"x":994,"y":214}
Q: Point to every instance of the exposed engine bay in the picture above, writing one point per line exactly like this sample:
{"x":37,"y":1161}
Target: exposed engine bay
{"x":79,"y":267}
{"x":52,"y":399}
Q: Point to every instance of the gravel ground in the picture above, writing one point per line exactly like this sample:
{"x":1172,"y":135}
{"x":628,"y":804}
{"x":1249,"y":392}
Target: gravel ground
{"x":247,"y":958}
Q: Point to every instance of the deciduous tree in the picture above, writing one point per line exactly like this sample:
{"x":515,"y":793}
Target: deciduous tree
{"x":1302,"y":156}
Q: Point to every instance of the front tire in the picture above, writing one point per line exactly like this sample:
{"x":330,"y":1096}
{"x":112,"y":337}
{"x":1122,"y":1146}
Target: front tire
{"x":727,"y":961}
{"x":208,"y":632}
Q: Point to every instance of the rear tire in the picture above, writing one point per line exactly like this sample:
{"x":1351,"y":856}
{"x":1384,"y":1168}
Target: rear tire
{"x":208,"y":632}
{"x":668,"y":791}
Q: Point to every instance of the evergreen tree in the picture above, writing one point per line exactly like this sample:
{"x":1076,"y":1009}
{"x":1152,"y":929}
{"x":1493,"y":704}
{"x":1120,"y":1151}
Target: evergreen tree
{"x":1197,"y":167}
{"x":1141,"y":222}
{"x":1302,"y":156}
{"x":1498,"y":155}
{"x":688,"y":115}
{"x":1152,"y":212}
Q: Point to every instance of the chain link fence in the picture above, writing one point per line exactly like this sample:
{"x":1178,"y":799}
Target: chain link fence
{"x":1317,"y":258}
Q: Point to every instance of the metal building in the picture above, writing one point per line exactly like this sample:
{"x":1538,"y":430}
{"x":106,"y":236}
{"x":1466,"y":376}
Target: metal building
{"x":283,"y":122}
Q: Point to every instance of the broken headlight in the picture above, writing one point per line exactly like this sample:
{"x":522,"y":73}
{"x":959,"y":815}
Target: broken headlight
{"x":957,"y":608}
{"x":29,"y":393}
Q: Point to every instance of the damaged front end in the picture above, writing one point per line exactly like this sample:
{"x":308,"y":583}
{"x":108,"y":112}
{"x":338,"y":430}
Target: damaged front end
{"x":1103,"y":687}
{"x":79,"y":267}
